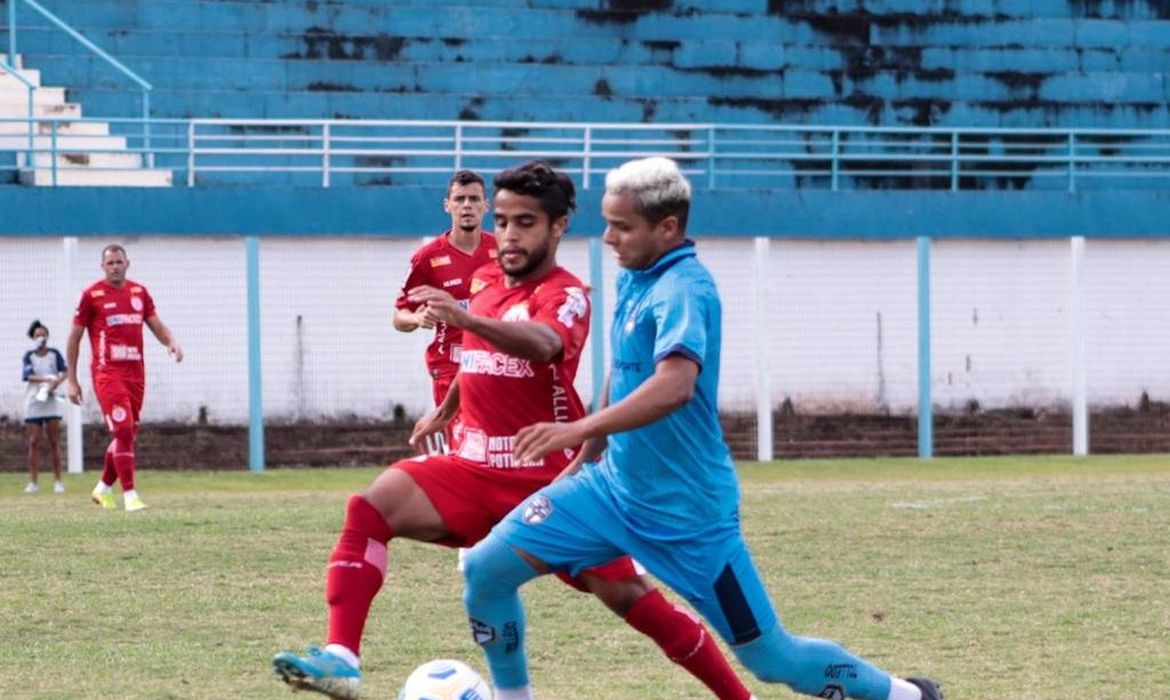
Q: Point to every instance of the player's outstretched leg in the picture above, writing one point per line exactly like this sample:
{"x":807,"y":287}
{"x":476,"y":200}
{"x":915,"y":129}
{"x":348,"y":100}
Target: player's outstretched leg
{"x":354,"y":576}
{"x":494,"y":573}
{"x":823,"y":669}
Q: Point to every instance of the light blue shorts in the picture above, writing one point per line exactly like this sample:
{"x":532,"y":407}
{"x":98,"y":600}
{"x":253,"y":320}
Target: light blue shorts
{"x":576,"y":523}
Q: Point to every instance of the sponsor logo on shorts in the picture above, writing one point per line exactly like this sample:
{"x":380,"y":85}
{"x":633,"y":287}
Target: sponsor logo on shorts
{"x":481,"y":632}
{"x":537,"y":510}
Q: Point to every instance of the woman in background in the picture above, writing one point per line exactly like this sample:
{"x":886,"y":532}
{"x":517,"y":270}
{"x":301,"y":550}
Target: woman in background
{"x":44,"y":370}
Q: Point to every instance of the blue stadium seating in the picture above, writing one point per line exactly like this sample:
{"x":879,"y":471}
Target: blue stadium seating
{"x":993,"y":63}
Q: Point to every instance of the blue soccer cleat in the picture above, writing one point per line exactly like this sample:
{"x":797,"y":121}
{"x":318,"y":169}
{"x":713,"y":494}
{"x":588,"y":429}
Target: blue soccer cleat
{"x":320,"y":671}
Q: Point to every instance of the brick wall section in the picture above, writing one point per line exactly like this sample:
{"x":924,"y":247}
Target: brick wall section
{"x":181,"y":446}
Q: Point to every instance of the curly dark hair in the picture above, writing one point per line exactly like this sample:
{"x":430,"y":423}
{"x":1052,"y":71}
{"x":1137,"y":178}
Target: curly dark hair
{"x":539,"y":180}
{"x":32,"y":329}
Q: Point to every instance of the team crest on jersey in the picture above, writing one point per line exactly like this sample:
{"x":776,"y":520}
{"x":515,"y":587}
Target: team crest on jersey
{"x":440,"y":261}
{"x":518,"y":312}
{"x":537,"y":510}
{"x":136,"y":302}
{"x":476,"y":285}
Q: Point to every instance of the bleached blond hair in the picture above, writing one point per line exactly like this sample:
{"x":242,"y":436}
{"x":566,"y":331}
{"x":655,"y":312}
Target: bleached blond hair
{"x":657,"y":187}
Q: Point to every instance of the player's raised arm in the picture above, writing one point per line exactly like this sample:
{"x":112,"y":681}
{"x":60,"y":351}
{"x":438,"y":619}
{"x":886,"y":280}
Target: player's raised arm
{"x":530,"y":340}
{"x":672,"y":385}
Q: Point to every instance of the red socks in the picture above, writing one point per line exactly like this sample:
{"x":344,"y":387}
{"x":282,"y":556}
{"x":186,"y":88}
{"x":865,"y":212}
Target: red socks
{"x":355,"y":572}
{"x":686,"y":642}
{"x":109,"y":474}
{"x":123,"y":458}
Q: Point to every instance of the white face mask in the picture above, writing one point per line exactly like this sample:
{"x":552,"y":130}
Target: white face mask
{"x":39,"y":341}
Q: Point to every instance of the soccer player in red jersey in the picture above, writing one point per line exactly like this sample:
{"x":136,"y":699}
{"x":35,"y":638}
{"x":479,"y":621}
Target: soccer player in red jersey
{"x":113,"y":311}
{"x":522,"y":338}
{"x":447,"y":263}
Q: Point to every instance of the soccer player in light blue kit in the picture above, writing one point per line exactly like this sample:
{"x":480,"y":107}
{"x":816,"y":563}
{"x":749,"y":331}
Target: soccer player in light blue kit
{"x":663,"y":488}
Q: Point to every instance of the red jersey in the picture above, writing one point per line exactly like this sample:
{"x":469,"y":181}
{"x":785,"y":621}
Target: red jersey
{"x":499,"y":393}
{"x":113,"y":317}
{"x":440,"y":264}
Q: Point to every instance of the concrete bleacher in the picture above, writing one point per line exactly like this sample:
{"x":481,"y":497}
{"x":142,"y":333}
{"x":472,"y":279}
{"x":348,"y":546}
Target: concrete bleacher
{"x":993,"y":63}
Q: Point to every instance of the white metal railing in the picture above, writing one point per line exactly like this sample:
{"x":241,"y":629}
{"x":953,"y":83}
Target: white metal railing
{"x":331,"y":153}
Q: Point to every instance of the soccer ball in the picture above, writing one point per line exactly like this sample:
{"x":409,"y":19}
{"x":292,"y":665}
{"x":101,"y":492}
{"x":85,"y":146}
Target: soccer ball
{"x":444,"y":679}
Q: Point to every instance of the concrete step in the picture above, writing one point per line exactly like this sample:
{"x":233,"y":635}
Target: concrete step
{"x":9,"y":81}
{"x":77,"y":143}
{"x":64,"y":128}
{"x":19,"y":110}
{"x":97,"y":178}
{"x":41,"y":96}
{"x":89,"y":160}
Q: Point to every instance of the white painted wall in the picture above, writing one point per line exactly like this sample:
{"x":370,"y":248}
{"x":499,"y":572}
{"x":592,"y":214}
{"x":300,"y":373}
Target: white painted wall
{"x":842,"y":323}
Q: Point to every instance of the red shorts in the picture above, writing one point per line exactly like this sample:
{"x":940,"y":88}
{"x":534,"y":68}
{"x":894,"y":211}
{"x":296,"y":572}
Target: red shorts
{"x":472,"y":498}
{"x":120,"y":398}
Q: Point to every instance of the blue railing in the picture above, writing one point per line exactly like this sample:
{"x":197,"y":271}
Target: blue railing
{"x":331,"y":153}
{"x":92,"y":47}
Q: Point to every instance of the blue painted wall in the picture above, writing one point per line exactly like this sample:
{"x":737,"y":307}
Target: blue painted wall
{"x":997,"y":63}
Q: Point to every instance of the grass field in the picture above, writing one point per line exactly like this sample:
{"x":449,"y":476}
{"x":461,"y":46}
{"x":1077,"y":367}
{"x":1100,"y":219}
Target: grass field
{"x":1037,"y":578}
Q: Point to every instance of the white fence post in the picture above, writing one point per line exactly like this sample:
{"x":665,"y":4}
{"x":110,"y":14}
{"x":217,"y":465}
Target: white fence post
{"x":1080,"y":409}
{"x":74,"y":454}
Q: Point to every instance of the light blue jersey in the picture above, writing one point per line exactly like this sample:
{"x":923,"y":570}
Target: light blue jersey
{"x":667,"y":495}
{"x":675,"y":472}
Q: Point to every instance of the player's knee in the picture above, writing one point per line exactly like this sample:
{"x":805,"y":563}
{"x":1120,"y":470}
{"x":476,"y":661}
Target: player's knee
{"x":619,"y":596}
{"x":478,"y":567}
{"x":366,"y":520}
{"x":124,"y":434}
{"x":492,"y":568}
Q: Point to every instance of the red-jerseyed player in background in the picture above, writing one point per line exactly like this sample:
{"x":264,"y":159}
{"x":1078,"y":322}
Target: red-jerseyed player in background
{"x":113,"y":311}
{"x":522,"y":338}
{"x":447,"y":263}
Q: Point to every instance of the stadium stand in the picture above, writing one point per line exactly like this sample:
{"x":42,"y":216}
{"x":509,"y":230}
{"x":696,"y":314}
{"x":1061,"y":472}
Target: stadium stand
{"x":992,"y":63}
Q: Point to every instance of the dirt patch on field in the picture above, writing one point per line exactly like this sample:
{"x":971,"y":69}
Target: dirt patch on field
{"x":1024,"y":431}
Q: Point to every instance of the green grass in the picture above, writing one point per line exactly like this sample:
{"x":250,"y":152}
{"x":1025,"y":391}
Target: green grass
{"x":1038,"y":578}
